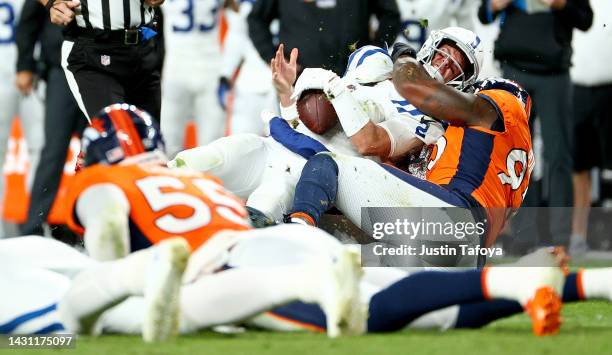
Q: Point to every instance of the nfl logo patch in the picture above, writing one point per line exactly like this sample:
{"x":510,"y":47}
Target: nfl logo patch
{"x":105,"y":60}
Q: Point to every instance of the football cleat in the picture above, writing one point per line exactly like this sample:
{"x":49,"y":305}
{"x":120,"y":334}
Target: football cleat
{"x":545,"y":311}
{"x":162,"y":290}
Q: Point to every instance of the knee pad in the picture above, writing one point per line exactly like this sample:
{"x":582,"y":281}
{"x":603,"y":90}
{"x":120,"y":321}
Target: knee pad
{"x":325,"y":162}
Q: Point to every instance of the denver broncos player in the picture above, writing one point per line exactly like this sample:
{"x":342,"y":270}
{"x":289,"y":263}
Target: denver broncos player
{"x":482,"y":162}
{"x":490,"y":158}
{"x":139,"y":199}
{"x":125,"y":200}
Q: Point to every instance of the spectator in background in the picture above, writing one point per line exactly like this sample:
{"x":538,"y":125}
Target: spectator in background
{"x":592,"y":77}
{"x":16,"y":100}
{"x":534,"y":48}
{"x":419,"y":17}
{"x":325,"y":31}
{"x":253,"y":90}
{"x":62,"y":115}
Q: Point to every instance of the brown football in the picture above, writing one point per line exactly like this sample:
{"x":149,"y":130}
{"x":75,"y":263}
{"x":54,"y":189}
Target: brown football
{"x":316,"y":112}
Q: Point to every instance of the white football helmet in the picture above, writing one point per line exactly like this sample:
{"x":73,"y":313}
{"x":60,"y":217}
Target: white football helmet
{"x":368,"y":65}
{"x":467,"y":41}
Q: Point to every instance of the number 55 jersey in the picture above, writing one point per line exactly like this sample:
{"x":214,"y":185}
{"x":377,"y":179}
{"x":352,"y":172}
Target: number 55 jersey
{"x":164,"y":203}
{"x":489,"y":166}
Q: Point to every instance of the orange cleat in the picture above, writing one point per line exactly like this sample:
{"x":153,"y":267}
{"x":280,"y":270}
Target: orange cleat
{"x":545,"y":311}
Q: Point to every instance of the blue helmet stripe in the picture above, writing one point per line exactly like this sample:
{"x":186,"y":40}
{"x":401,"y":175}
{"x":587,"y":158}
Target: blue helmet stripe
{"x":366,"y":53}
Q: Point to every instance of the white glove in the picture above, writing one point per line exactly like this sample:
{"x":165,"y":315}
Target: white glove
{"x":312,"y":78}
{"x":351,"y":114}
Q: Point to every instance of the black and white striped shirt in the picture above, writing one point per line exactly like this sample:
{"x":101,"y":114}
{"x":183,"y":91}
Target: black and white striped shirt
{"x":113,"y":14}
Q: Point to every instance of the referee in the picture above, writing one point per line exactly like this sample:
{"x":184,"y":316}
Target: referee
{"x":111,"y":52}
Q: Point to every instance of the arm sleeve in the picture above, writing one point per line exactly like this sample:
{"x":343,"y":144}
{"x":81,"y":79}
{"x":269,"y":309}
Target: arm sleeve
{"x":235,"y":42}
{"x":262,"y":14}
{"x":388,"y":16}
{"x":485,"y":13}
{"x":31,"y":22}
{"x":578,"y":14}
{"x":103,"y":211}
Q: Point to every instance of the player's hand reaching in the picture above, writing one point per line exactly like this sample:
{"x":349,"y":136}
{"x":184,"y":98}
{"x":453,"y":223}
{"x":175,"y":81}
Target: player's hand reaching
{"x":62,"y":12}
{"x":284,"y":72}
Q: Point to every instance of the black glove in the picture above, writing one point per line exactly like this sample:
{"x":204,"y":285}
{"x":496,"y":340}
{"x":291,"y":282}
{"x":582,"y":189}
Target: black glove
{"x":401,"y":49}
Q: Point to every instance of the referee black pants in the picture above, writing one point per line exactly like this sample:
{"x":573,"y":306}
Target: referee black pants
{"x":101,"y":74}
{"x":62,"y":119}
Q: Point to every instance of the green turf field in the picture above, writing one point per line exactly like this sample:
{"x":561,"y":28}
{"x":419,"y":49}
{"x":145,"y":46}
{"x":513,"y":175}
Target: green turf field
{"x":587,"y":330}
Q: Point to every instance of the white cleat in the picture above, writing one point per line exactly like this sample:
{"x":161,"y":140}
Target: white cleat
{"x":341,"y":303}
{"x":162,"y":290}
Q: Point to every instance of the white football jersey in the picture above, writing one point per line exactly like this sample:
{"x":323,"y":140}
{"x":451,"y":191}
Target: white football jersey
{"x":191,"y":30}
{"x":419,"y":17}
{"x":388,"y":109}
{"x":255,"y":74}
{"x":9,"y":15}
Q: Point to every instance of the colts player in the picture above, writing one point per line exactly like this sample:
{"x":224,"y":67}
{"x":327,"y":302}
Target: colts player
{"x":265,"y":173}
{"x":41,"y":298}
{"x":124,"y":199}
{"x":191,"y":72}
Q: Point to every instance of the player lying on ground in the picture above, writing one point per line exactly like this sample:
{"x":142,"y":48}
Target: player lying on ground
{"x":41,"y":298}
{"x":266,"y":264}
{"x":124,"y":199}
{"x":264,"y":173}
{"x":483,"y":161}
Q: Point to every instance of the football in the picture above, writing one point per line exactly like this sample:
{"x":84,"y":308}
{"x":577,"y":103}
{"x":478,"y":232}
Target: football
{"x":316,"y":112}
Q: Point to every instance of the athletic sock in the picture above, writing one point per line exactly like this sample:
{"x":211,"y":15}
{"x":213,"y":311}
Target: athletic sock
{"x":572,"y":291}
{"x":594,"y":283}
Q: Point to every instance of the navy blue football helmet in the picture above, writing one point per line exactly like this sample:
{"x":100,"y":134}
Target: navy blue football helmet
{"x":506,"y":85}
{"x":117,"y":132}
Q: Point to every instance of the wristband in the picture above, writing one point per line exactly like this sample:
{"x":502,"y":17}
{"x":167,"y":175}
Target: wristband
{"x":49,"y":5}
{"x":289,"y":113}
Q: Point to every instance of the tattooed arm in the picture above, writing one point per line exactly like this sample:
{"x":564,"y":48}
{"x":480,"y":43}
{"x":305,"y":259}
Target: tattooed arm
{"x":438,"y":100}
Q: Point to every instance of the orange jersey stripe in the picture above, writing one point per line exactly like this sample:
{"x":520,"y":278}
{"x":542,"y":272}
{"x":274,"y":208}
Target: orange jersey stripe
{"x":299,"y":324}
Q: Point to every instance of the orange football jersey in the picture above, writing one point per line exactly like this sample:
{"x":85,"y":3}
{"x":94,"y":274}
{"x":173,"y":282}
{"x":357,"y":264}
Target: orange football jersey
{"x":492,"y":167}
{"x":164,"y":203}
